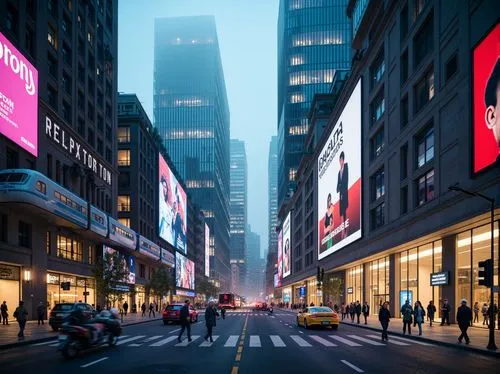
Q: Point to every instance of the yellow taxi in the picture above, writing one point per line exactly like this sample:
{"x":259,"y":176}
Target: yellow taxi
{"x":318,"y":316}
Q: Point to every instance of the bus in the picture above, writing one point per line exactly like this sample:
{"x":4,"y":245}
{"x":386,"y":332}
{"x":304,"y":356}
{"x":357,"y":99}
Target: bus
{"x":229,"y":301}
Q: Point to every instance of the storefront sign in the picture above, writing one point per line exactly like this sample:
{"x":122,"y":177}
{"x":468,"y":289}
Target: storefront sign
{"x":185,"y":293}
{"x":52,"y":278}
{"x":302,"y":291}
{"x":440,"y":279}
{"x":9,"y":272}
{"x":349,"y":290}
{"x":75,"y":149}
{"x":67,"y":278}
{"x":121,"y":288}
{"x":167,"y":258}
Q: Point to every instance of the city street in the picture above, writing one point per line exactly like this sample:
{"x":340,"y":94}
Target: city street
{"x":270,"y":344}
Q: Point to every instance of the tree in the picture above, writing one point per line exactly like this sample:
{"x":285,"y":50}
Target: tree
{"x":333,"y":287}
{"x":207,"y":288}
{"x":109,"y":277}
{"x":160,"y":283}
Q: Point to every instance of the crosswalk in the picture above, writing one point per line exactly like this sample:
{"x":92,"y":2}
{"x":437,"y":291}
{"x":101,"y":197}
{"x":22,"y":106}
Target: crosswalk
{"x":267,"y":341}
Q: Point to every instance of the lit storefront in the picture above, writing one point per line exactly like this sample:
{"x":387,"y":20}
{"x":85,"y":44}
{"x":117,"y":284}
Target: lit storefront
{"x":354,"y":284}
{"x":378,"y":283}
{"x":140,"y":296}
{"x":79,"y":286}
{"x":10,"y":286}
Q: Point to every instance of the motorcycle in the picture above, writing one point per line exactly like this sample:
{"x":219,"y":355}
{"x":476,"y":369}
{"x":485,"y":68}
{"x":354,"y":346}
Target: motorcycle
{"x":76,"y":338}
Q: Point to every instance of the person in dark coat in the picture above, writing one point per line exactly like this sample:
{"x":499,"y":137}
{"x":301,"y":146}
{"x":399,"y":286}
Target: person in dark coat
{"x":384,"y":316}
{"x":185,"y":321}
{"x":357,"y":308}
{"x":143,"y":308}
{"x":445,"y":313}
{"x":5,"y":313}
{"x":407,"y":313}
{"x":20,"y":315}
{"x":431,"y":312}
{"x":343,"y":189}
{"x":210,"y":320}
{"x":366,"y":311}
{"x":464,"y":318}
{"x":125,"y":307}
{"x":40,"y":311}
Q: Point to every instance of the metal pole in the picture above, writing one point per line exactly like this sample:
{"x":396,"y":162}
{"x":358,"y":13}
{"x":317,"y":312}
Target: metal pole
{"x":491,"y":340}
{"x":85,"y":289}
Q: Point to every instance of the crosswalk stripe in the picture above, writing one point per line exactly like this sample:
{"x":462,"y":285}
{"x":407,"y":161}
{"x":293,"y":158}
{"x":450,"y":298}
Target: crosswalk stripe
{"x":232,"y":341}
{"x":320,"y":340}
{"x":365,"y":340}
{"x":163,"y":341}
{"x":123,"y":337}
{"x":120,"y":342}
{"x":44,"y":343}
{"x":345,"y":341}
{"x":208,"y":343}
{"x":187,"y":342}
{"x":301,"y":342}
{"x":277,"y":341}
{"x":255,"y":341}
{"x":390,"y":341}
{"x":134,"y":345}
{"x":410,"y":340}
{"x":152,"y":338}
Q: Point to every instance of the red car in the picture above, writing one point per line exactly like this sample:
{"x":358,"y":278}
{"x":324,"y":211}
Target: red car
{"x":173,"y":311}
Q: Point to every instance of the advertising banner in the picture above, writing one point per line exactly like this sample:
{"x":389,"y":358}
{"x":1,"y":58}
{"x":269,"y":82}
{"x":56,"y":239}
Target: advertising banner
{"x":184,"y":272}
{"x":486,"y":100}
{"x":207,"y":250}
{"x":287,"y":248}
{"x":276,"y":282}
{"x":339,"y":181}
{"x":172,"y":208}
{"x":127,"y":261}
{"x":280,"y":257}
{"x":18,"y":97}
{"x":167,"y":258}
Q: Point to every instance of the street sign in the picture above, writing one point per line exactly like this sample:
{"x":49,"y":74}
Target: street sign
{"x":440,"y":279}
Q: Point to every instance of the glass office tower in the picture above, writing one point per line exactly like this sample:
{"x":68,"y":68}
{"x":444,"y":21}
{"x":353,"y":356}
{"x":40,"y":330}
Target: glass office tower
{"x":192,"y":115}
{"x":314,"y":39}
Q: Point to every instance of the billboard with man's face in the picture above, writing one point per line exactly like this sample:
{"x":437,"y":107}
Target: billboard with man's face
{"x":486,"y":97}
{"x":339,"y":181}
{"x":172,"y":208}
{"x":184,"y":272}
{"x":287,"y":247}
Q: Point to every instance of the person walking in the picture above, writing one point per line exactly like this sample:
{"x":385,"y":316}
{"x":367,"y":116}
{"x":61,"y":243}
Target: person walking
{"x":431,"y":312}
{"x":40,"y":311}
{"x":352,"y":311}
{"x":384,"y":316}
{"x":484,"y":312}
{"x":358,"y":310}
{"x":419,"y":314}
{"x":210,"y":320}
{"x":347,"y":311}
{"x":476,"y":312}
{"x":20,"y":315}
{"x":143,"y":308}
{"x":151,"y":310}
{"x":342,"y":311}
{"x":184,"y":321}
{"x":464,"y":318}
{"x":445,"y":313}
{"x":4,"y":310}
{"x":495,"y":312}
{"x":366,"y":311}
{"x":223,"y":312}
{"x":125,"y":308}
{"x":406,"y":312}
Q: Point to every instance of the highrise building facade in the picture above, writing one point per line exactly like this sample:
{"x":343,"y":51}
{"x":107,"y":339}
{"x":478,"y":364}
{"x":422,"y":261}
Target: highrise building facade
{"x":191,"y":113}
{"x":254,"y":273}
{"x":238,"y":199}
{"x":272,"y":198}
{"x":314,"y":39}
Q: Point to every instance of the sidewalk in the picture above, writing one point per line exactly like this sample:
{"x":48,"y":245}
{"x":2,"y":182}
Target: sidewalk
{"x":445,"y":335}
{"x":34,"y":333}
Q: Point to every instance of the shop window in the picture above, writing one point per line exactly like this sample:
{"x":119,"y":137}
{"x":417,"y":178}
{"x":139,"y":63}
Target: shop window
{"x":354,"y":284}
{"x":69,"y":248}
{"x":425,"y":187}
{"x":378,"y":284}
{"x":24,"y":234}
{"x":124,"y":157}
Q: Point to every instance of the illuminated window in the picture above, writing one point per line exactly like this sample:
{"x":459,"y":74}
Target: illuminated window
{"x":317,"y":38}
{"x":200,"y":183}
{"x":124,"y":221}
{"x":123,"y":134}
{"x":124,"y":157}
{"x":296,"y":97}
{"x":296,"y":60}
{"x":298,"y":130}
{"x":91,"y":254}
{"x":190,"y":134}
{"x":292,"y":174}
{"x":425,"y":187}
{"x":52,"y":37}
{"x":69,"y":248}
{"x":124,"y":203}
{"x":208,"y":213}
{"x":47,"y":242}
{"x":311,"y":77}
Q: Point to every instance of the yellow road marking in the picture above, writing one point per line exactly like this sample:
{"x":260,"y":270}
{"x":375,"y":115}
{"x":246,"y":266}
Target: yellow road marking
{"x":237,"y":359}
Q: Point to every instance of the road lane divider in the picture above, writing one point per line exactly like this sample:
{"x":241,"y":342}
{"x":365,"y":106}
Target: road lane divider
{"x":94,"y":362}
{"x":239,"y":351}
{"x":353,"y":367}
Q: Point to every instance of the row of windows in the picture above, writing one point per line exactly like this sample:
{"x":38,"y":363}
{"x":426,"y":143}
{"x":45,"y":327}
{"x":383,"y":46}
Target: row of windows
{"x":311,"y":77}
{"x":318,"y":38}
{"x":67,"y":201}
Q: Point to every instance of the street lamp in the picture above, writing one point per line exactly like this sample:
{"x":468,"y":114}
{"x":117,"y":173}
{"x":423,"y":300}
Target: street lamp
{"x":491,"y":340}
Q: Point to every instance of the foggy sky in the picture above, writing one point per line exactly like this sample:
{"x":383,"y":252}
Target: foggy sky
{"x":247,"y":38}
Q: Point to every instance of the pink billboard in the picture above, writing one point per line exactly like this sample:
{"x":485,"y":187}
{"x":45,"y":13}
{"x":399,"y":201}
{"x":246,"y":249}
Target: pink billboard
{"x":18,"y":97}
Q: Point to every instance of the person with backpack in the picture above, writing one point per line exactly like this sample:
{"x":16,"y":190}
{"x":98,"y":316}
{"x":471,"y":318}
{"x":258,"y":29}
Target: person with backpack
{"x":407,"y":312}
{"x":20,"y":315}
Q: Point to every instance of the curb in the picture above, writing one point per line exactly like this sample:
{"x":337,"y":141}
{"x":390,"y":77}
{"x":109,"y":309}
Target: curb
{"x":462,"y":347}
{"x":49,"y":338}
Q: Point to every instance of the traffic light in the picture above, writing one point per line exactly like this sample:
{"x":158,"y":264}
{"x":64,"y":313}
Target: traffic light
{"x":485,"y":273}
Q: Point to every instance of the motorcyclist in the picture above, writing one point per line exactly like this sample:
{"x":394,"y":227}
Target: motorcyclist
{"x":76,"y":317}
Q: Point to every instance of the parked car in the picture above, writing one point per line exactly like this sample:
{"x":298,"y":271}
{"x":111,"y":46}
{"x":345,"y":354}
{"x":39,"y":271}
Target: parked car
{"x":173,"y":311}
{"x":62,"y":310}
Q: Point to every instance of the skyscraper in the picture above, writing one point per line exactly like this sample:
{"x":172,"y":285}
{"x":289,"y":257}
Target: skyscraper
{"x":238,"y":199}
{"x":191,"y":113}
{"x":314,"y":39}
{"x":254,"y":273}
{"x":272,"y":175}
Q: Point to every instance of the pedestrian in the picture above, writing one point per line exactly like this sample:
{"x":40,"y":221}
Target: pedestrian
{"x":40,"y":311}
{"x":5,"y":313}
{"x":134,"y":308}
{"x":445,"y":313}
{"x":384,"y":316}
{"x":125,"y":307}
{"x":20,"y":315}
{"x":495,"y":311}
{"x":343,"y":310}
{"x":484,"y":311}
{"x":431,"y":312}
{"x":352,"y":312}
{"x":312,"y":304}
{"x":358,"y":310}
{"x":143,"y":308}
{"x":185,"y":321}
{"x":419,"y":314}
{"x":210,"y":320}
{"x":476,"y":312}
{"x":406,"y":312}
{"x":223,"y":312}
{"x":366,"y":311}
{"x":464,"y":318}
{"x":151,"y":310}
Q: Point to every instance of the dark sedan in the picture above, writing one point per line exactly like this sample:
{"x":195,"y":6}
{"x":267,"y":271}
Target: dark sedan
{"x":62,"y":310}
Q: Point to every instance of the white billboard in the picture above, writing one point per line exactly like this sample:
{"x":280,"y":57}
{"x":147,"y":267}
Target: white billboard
{"x":207,"y":250}
{"x":339,"y":181}
{"x":287,"y":247}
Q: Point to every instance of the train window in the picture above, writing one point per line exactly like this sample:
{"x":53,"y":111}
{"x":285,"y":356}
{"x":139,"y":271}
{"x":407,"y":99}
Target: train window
{"x":42,"y":187}
{"x":13,"y":177}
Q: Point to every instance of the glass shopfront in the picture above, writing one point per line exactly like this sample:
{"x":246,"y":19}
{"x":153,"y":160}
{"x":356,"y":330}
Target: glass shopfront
{"x":140,"y":296}
{"x":378,"y":283}
{"x":10,"y":287}
{"x":474,"y":246}
{"x":313,"y":294}
{"x":78,"y":287}
{"x":416,"y":266}
{"x":354,"y":284}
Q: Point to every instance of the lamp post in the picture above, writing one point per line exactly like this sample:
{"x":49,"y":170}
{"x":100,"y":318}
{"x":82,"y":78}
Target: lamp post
{"x":491,"y":340}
